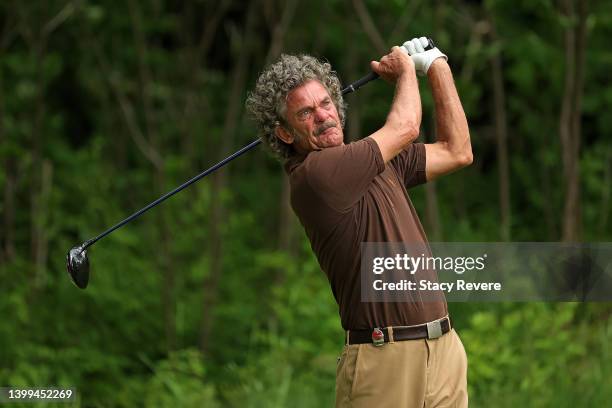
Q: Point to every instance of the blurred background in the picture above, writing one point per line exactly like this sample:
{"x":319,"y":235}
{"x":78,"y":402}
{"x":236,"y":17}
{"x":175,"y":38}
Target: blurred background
{"x":214,"y":299}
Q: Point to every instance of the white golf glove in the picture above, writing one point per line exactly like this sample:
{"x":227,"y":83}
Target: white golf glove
{"x":422,"y":58}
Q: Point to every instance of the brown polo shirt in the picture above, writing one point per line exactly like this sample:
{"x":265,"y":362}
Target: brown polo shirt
{"x":346,"y":195}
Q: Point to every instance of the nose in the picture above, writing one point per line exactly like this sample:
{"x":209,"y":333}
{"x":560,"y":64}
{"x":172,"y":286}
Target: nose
{"x":321,"y":114}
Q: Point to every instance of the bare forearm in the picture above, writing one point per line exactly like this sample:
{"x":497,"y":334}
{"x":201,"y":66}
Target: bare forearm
{"x":451,"y":123}
{"x":404,"y":119}
{"x":405,"y":113}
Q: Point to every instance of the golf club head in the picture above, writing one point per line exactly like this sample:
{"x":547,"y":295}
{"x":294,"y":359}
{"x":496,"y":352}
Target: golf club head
{"x":77,"y":265}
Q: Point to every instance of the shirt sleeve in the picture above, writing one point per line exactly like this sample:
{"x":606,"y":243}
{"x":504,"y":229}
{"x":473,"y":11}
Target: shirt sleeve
{"x":410,"y":164}
{"x":341,"y":175}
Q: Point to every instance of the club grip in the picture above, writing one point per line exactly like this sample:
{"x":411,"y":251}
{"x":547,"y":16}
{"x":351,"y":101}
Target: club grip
{"x":373,"y":75}
{"x":431,"y":44}
{"x":359,"y":83}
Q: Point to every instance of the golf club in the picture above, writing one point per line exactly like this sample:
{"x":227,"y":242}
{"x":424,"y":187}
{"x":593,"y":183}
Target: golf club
{"x":77,"y":262}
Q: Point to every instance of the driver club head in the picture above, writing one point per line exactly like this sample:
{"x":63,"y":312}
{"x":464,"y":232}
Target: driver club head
{"x":77,"y":265}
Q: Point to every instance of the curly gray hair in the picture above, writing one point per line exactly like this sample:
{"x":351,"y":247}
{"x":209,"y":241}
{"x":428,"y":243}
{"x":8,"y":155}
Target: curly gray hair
{"x":267,"y":103}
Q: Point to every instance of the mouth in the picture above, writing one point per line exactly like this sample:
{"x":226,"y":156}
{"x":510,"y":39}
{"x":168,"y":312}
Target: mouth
{"x":325,"y":128}
{"x":326,"y":131}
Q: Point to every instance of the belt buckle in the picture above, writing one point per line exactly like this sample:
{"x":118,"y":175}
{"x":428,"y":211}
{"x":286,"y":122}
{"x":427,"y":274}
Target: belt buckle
{"x":434,"y":329}
{"x":378,"y":337}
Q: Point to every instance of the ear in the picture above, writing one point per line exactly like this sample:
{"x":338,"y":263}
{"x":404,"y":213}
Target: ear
{"x":283,"y":135}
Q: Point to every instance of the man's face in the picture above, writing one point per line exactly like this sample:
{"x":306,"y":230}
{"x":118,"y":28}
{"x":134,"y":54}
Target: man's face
{"x":313,"y":119}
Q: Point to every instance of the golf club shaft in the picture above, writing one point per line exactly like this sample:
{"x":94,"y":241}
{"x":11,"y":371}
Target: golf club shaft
{"x":173,"y":192}
{"x":350,"y":88}
{"x":359,"y":83}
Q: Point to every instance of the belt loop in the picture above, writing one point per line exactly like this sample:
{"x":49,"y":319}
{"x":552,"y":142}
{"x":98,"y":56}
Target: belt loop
{"x":390,"y":332}
{"x":348,"y":337}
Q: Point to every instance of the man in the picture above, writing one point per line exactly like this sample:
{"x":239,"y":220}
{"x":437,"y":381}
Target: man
{"x":346,"y":194}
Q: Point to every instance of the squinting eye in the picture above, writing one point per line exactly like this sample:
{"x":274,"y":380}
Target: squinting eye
{"x":303,"y":115}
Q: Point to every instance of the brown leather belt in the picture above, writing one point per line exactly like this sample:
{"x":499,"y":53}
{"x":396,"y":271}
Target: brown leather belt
{"x":430,"y":330}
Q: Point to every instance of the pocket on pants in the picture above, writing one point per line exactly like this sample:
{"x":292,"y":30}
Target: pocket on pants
{"x":340,"y":360}
{"x":345,"y":373}
{"x":462,"y":348}
{"x":355,"y":369}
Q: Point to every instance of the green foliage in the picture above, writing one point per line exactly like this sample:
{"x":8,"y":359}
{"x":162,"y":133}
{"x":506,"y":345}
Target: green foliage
{"x":177,"y":381}
{"x":537,"y":355}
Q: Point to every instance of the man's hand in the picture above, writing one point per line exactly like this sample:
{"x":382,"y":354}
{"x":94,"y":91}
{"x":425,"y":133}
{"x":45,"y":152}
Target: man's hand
{"x":393,"y":65}
{"x":422,"y":58}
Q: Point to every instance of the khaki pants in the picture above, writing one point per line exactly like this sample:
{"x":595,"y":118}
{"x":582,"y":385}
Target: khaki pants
{"x":413,"y":373}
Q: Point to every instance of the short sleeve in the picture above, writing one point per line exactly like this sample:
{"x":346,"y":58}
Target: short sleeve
{"x":410,"y":164}
{"x":341,"y":175}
